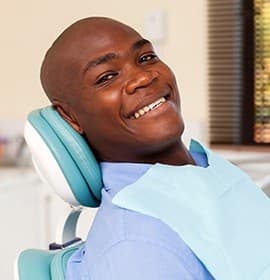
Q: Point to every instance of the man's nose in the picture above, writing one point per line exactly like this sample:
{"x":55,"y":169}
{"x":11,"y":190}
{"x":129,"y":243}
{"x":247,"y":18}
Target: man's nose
{"x":140,"y":79}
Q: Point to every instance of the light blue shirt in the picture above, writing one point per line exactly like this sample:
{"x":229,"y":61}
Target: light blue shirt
{"x":123,"y":244}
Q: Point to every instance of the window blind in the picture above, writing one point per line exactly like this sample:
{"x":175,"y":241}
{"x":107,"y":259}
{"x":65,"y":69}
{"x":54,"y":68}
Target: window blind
{"x":239,"y":71}
{"x":225,"y":72}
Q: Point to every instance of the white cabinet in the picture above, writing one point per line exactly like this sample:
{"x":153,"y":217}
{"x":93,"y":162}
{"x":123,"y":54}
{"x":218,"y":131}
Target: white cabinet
{"x":29,"y":213}
{"x":22,"y":225}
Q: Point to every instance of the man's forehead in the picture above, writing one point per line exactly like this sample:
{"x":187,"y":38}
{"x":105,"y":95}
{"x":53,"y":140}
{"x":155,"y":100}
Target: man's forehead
{"x":95,"y":36}
{"x":92,"y":46}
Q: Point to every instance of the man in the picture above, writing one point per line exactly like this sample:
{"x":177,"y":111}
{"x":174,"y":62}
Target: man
{"x":107,"y":82}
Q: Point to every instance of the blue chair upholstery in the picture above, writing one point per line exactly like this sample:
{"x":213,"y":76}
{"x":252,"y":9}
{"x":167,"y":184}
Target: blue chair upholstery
{"x":64,"y":160}
{"x":34,"y":264}
{"x":70,"y":152}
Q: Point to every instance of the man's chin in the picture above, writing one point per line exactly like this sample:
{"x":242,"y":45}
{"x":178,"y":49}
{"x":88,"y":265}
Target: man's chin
{"x":161,"y":137}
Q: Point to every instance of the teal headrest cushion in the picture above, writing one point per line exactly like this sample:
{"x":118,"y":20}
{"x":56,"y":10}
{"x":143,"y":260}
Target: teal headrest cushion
{"x":72,"y":153}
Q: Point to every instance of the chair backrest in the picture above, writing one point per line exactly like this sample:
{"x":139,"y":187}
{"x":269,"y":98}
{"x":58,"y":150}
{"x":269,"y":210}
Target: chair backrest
{"x":64,"y":160}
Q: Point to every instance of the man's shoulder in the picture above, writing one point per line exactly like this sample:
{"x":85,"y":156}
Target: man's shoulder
{"x":114,"y":225}
{"x":136,"y":243}
{"x":128,"y":240}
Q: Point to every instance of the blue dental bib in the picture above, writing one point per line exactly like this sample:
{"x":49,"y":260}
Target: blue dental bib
{"x":218,"y":211}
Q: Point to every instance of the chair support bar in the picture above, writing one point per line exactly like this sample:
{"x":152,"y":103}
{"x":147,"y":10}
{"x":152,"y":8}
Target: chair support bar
{"x":67,"y":230}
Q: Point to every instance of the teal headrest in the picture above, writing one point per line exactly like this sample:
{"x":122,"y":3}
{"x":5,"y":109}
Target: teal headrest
{"x":70,"y":152}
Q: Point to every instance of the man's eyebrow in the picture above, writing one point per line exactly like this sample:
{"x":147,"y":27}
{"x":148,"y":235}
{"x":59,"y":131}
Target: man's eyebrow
{"x":100,"y":60}
{"x":109,"y":56}
{"x":139,"y":44}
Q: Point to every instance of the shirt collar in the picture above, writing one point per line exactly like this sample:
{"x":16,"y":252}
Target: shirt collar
{"x":117,"y":175}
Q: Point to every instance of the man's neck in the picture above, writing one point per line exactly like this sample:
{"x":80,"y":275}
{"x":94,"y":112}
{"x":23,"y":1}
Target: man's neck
{"x":176,"y":154}
{"x":172,"y":154}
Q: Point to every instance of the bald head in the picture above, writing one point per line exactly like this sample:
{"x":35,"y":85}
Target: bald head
{"x":61,"y":71}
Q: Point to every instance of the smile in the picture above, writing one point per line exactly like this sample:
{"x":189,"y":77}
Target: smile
{"x":148,"y":108}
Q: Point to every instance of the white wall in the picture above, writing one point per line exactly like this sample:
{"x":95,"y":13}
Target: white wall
{"x":28,"y":28}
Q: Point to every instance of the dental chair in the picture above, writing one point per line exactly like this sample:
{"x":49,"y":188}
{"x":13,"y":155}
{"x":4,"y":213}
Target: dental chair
{"x":63,"y":160}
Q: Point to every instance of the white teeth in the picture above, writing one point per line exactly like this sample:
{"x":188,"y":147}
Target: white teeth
{"x":148,"y":108}
{"x":152,"y":105}
{"x":136,"y":115}
{"x":141,"y":112}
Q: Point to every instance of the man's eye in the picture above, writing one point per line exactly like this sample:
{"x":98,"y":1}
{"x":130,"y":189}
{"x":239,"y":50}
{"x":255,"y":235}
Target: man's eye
{"x":148,"y":57}
{"x":105,"y":78}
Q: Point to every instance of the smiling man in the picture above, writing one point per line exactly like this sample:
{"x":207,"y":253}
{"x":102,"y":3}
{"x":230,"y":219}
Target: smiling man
{"x":107,"y":82}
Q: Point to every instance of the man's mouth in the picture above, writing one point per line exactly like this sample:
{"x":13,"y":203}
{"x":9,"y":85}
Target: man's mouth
{"x":150,"y":107}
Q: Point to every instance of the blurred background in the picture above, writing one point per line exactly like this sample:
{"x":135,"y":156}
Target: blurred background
{"x":218,"y":50}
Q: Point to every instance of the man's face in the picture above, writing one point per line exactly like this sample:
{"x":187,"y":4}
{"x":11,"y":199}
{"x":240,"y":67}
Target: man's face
{"x":129,"y":106}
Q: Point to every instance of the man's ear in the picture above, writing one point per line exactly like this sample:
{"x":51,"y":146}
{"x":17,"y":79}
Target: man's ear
{"x":68,"y":116}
